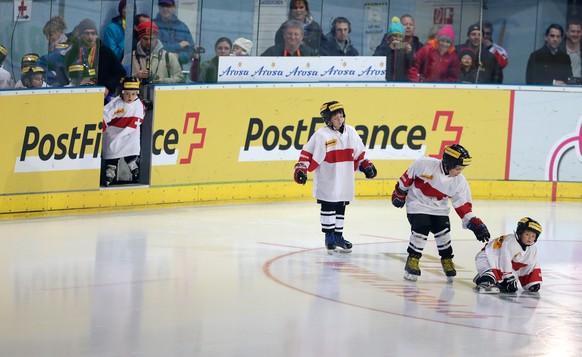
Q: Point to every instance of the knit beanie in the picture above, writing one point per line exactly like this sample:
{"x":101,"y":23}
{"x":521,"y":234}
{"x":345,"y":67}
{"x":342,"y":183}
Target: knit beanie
{"x":147,"y":28}
{"x":468,"y":52}
{"x":121,"y":5}
{"x":395,"y":27}
{"x":446,"y":31}
{"x":243,"y":43}
{"x":473,"y":28}
{"x":86,"y":24}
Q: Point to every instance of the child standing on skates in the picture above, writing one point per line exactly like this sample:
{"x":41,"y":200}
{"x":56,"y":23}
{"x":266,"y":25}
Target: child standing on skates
{"x":425,"y":189}
{"x":122,"y":118}
{"x":333,"y":154}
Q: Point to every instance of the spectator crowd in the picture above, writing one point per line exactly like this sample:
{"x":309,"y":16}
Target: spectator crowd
{"x":163,"y":49}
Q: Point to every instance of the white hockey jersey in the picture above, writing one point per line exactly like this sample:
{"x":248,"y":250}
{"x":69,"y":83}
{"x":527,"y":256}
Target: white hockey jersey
{"x":121,"y":128}
{"x":505,"y":255}
{"x":333,"y":157}
{"x":429,"y":188}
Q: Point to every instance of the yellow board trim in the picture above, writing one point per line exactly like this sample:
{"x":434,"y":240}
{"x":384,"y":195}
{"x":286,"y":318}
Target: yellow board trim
{"x":139,"y":197}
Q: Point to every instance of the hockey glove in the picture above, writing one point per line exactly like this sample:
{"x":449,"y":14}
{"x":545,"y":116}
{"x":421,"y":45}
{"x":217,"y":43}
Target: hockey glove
{"x":398,"y":197}
{"x":368,"y":169}
{"x":300,"y":174}
{"x":534,"y":287}
{"x":480,"y":229}
{"x":508,"y":285}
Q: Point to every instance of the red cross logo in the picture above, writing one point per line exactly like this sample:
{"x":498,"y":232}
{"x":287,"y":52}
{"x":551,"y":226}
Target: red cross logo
{"x":22,"y":8}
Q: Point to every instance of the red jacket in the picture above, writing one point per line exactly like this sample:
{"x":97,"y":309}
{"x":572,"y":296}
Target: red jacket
{"x":431,"y":66}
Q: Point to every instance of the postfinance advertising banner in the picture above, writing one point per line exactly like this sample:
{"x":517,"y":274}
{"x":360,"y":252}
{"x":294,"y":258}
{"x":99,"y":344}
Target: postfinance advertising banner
{"x":54,"y":142}
{"x":255,"y":133}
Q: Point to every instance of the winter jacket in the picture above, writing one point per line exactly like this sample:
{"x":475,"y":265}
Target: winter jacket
{"x":163,"y":65}
{"x":209,"y":71}
{"x":430,"y":66}
{"x":109,"y":70}
{"x":53,"y":62}
{"x":489,"y":71}
{"x":279,"y":51}
{"x":312,"y":34}
{"x":114,"y":36}
{"x":173,"y":32}
{"x":543,"y":67}
{"x":384,"y":46}
{"x":332,"y":48}
{"x":398,"y":62}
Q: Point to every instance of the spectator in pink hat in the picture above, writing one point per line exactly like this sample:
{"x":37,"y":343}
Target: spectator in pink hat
{"x":437,"y":61}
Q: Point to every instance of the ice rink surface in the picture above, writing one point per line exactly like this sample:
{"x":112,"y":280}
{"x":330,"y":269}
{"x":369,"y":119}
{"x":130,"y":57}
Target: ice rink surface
{"x":256,"y":280}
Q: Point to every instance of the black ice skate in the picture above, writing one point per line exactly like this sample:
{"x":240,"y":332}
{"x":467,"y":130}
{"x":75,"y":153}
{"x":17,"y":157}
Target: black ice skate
{"x":335,"y":242}
{"x":486,"y":284}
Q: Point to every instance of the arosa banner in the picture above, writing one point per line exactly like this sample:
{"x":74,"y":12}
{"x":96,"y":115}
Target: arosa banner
{"x":255,"y":133}
{"x":301,"y":69}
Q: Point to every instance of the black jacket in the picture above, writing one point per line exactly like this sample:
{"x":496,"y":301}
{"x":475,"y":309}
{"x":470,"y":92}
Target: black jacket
{"x":331,"y":48}
{"x":490,"y":71}
{"x":109,"y":70}
{"x":543,"y":67}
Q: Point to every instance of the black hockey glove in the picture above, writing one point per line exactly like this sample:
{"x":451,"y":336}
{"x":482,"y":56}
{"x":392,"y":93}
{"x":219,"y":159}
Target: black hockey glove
{"x":480,"y":229}
{"x":368,"y":168}
{"x":398,"y":197}
{"x":508,"y":285}
{"x":534,"y":287}
{"x":300,"y":174}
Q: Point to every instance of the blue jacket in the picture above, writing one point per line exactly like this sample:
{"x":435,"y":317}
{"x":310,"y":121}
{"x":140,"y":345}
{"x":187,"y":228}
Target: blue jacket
{"x":53,"y":64}
{"x":173,"y":32}
{"x":114,"y":37}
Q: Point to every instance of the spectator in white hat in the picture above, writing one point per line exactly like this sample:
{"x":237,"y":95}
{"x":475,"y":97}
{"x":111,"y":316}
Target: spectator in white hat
{"x":242,"y":47}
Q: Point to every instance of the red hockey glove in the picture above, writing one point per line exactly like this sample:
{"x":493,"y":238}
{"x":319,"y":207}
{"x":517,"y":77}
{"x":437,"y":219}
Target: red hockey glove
{"x":480,"y":229}
{"x":398,"y":197}
{"x":368,"y":168}
{"x":300,"y":174}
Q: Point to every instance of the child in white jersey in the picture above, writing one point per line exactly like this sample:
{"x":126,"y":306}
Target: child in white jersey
{"x":508,"y":257}
{"x":333,"y":154}
{"x":122,"y":118}
{"x":425,"y":189}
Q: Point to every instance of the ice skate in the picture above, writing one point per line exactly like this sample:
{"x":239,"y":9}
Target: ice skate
{"x":335,"y":242}
{"x":342,"y":243}
{"x":134,"y":169}
{"x":487,"y":288}
{"x":110,"y":174}
{"x":486,"y":284}
{"x":411,"y":269}
{"x":330,"y":242}
{"x":449,"y":268}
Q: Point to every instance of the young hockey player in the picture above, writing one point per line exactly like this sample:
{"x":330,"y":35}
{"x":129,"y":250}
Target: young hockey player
{"x":333,"y":154}
{"x":425,"y":189}
{"x":498,"y":260}
{"x":122,"y":118}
